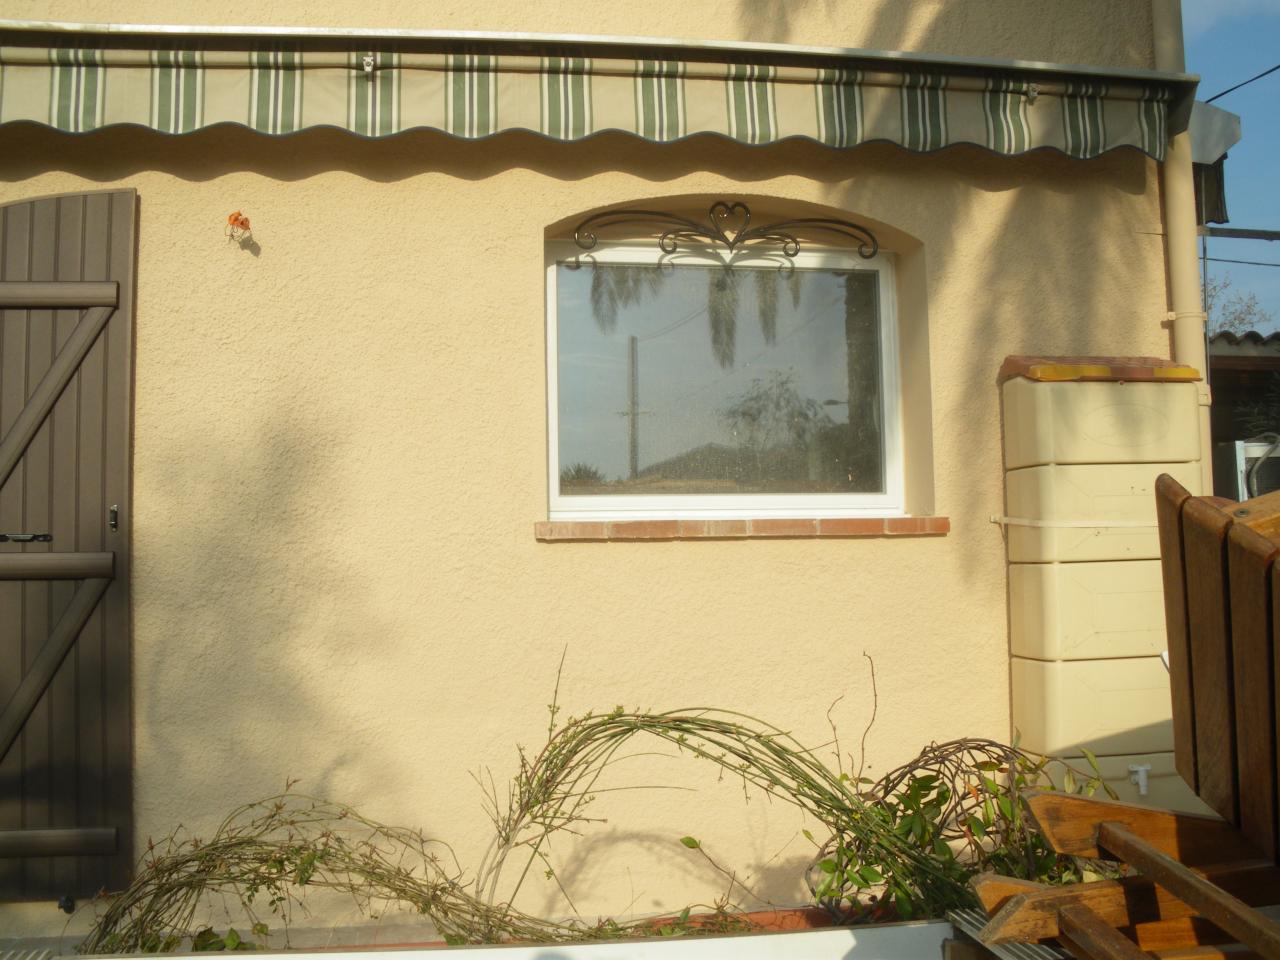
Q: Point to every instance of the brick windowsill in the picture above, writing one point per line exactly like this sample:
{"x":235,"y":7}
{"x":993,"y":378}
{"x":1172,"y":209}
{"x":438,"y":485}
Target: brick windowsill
{"x":607,"y":530}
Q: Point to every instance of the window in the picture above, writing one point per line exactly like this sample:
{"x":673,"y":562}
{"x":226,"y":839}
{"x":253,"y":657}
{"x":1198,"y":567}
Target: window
{"x":713,"y":384}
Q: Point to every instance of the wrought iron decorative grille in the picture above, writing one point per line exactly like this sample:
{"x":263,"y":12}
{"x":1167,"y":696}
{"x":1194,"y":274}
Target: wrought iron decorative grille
{"x":728,"y":225}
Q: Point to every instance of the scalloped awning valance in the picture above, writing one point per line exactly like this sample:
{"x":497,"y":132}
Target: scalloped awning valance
{"x":79,"y":81}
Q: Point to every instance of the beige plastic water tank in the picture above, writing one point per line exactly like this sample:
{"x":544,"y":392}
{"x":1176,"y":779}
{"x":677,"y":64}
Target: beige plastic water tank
{"x":1084,"y":440}
{"x":1086,"y":611}
{"x":1111,"y":707}
{"x":1099,"y":422}
{"x":1082,"y":512}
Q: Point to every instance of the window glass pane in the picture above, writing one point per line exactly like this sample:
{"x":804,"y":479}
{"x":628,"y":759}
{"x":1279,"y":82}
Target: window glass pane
{"x":680,"y":379}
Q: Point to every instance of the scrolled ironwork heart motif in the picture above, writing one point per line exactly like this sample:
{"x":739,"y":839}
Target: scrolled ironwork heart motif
{"x":728,"y":225}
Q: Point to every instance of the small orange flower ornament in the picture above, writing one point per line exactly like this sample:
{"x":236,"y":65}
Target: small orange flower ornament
{"x":237,"y":226}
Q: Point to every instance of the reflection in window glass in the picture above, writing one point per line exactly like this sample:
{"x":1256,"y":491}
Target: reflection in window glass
{"x":679,"y":379}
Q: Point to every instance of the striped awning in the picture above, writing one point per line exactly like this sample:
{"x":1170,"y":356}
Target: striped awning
{"x":83,"y":82}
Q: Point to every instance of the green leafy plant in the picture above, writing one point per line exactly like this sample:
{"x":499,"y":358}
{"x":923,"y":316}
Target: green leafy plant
{"x":207,"y":941}
{"x":901,"y":847}
{"x":961,"y":802}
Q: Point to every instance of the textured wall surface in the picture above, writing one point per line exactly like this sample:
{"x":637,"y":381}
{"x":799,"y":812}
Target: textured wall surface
{"x":1096,"y":31}
{"x":340,"y":455}
{"x":340,"y":451}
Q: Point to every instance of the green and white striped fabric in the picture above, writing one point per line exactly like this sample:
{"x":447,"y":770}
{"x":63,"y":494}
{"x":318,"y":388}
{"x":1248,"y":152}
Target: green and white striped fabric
{"x":283,"y":89}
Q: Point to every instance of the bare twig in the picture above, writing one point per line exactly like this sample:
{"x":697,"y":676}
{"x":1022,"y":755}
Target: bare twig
{"x":270,"y":851}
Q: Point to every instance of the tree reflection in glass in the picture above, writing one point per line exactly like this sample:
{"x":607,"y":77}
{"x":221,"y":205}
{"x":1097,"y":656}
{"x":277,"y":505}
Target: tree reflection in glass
{"x":663,"y":389}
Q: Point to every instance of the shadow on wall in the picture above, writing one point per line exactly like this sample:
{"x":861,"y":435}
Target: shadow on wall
{"x":117,"y":153}
{"x":930,"y":27}
{"x":266,"y":712}
{"x":765,"y":882}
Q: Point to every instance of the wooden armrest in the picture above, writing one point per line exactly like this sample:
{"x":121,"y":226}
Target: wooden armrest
{"x":1230,"y":913}
{"x":1029,"y":911}
{"x":1086,"y":935}
{"x":1070,"y":825}
{"x":994,"y":890}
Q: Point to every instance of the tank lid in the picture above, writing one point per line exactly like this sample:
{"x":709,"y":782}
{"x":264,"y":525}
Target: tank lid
{"x":1114,"y":369}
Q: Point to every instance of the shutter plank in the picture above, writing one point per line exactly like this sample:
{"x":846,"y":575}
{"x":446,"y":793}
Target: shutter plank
{"x":56,"y":295}
{"x":118,"y":424}
{"x":14,"y":249}
{"x":37,"y":785}
{"x":66,"y":774}
{"x":60,"y":844}
{"x":92,"y":724}
{"x":11,"y":762}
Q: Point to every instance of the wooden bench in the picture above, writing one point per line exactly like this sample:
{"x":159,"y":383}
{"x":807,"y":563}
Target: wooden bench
{"x":1195,"y":881}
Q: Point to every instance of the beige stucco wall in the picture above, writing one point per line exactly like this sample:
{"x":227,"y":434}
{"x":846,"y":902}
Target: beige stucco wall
{"x":1102,"y":32}
{"x":340,"y":455}
{"x":340,"y":449}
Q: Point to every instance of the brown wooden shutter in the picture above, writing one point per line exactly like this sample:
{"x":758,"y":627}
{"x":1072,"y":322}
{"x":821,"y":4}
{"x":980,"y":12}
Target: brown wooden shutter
{"x":66,"y":400}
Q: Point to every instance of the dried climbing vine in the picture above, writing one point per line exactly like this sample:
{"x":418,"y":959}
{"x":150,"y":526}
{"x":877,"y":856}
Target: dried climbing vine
{"x":903,"y":846}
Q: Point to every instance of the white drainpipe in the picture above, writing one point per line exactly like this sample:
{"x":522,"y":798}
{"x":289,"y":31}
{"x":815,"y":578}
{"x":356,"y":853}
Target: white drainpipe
{"x":1186,"y":306}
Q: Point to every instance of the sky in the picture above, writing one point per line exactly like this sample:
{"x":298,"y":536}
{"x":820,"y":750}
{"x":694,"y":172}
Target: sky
{"x":1227,"y":42}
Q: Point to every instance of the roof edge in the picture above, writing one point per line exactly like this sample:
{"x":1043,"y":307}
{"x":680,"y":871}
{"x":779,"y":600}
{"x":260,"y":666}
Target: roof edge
{"x":1256,"y":337}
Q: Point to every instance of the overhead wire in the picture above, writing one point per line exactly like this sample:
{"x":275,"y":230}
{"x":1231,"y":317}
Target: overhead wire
{"x":1249,"y":263}
{"x":673,"y":326}
{"x":1244,"y":84}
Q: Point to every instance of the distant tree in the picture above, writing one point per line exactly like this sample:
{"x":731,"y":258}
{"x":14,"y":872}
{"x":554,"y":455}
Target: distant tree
{"x":772,"y":412}
{"x":1232,"y":311}
{"x":787,"y":437}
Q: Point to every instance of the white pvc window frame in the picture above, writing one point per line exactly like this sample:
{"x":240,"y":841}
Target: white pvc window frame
{"x":889,"y":503}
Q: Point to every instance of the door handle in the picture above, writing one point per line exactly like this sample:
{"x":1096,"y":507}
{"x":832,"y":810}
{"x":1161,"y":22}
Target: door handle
{"x":26,"y":538}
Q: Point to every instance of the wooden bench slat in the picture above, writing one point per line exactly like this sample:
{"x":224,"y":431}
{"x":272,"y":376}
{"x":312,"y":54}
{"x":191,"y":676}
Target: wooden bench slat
{"x":1224,"y":952}
{"x":1261,"y":514}
{"x":1088,"y":937}
{"x":1170,"y":498}
{"x":1204,"y":532}
{"x":1212,"y":902}
{"x":1185,"y":933}
{"x":1275,"y":674}
{"x":1250,"y":557}
{"x":1029,"y":911}
{"x":1070,"y":823}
